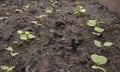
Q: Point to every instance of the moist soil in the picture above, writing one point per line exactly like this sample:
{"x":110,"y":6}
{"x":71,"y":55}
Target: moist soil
{"x":63,"y":42}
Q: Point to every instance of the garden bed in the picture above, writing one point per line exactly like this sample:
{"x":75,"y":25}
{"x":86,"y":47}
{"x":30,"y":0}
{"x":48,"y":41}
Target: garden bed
{"x":63,"y":42}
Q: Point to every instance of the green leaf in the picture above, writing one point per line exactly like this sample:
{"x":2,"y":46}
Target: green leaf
{"x":91,"y":23}
{"x":23,"y":36}
{"x":14,"y":54}
{"x":83,"y":10}
{"x":49,"y":11}
{"x":31,"y":36}
{"x":97,"y":43}
{"x":96,"y":33}
{"x":11,"y":68}
{"x":98,"y":23}
{"x":77,"y":13}
{"x":9,"y":49}
{"x":18,"y":42}
{"x":27,"y":32}
{"x":41,"y":16}
{"x":34,"y":22}
{"x":96,"y":67}
{"x":3,"y":18}
{"x":98,"y":29}
{"x":99,"y":60}
{"x":19,"y":31}
{"x":108,"y":44}
{"x":4,"y":67}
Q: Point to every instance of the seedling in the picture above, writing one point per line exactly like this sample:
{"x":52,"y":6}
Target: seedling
{"x":53,"y":3}
{"x":10,"y":49}
{"x":18,"y":10}
{"x":7,"y":69}
{"x":102,"y":46}
{"x":36,"y":24}
{"x":79,"y":11}
{"x":95,"y":24}
{"x":1,"y":18}
{"x":18,"y":42}
{"x":25,"y":35}
{"x":41,"y":16}
{"x":26,"y":7}
{"x":49,"y":10}
{"x":98,"y":60}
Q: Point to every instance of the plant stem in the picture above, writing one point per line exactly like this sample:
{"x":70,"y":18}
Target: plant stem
{"x":102,"y":49}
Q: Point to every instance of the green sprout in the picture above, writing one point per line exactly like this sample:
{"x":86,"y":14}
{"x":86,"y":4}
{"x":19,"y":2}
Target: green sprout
{"x":26,"y":7}
{"x":36,"y":24}
{"x":25,"y":35}
{"x":98,"y":60}
{"x":18,"y":10}
{"x":95,"y":24}
{"x":54,"y":3}
{"x":18,"y":42}
{"x":41,"y":16}
{"x":102,"y":46}
{"x":80,"y":10}
{"x":49,"y":10}
{"x":7,"y":69}
{"x":10,"y":49}
{"x":1,"y":18}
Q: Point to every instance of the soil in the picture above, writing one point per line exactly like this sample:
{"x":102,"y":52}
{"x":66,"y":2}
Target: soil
{"x":63,"y":42}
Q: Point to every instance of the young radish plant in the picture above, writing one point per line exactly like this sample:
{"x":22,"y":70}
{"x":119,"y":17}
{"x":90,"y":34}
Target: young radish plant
{"x":26,"y":7}
{"x":18,"y":42}
{"x":97,"y":30}
{"x":36,"y":24}
{"x":54,"y":3}
{"x":7,"y":69}
{"x":41,"y":16}
{"x":102,"y":46}
{"x":80,"y":10}
{"x":98,"y":60}
{"x":25,"y":35}
{"x":49,"y":10}
{"x":1,"y":18}
{"x":12,"y":53}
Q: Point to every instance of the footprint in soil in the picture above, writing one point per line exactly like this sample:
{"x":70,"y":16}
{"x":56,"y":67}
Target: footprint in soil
{"x":33,"y":11}
{"x":7,"y":38}
{"x":57,"y":35}
{"x":52,"y":39}
{"x":59,"y":25}
{"x":75,"y":43}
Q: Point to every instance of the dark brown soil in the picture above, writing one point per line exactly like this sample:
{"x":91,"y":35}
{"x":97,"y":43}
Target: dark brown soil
{"x":63,"y":42}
